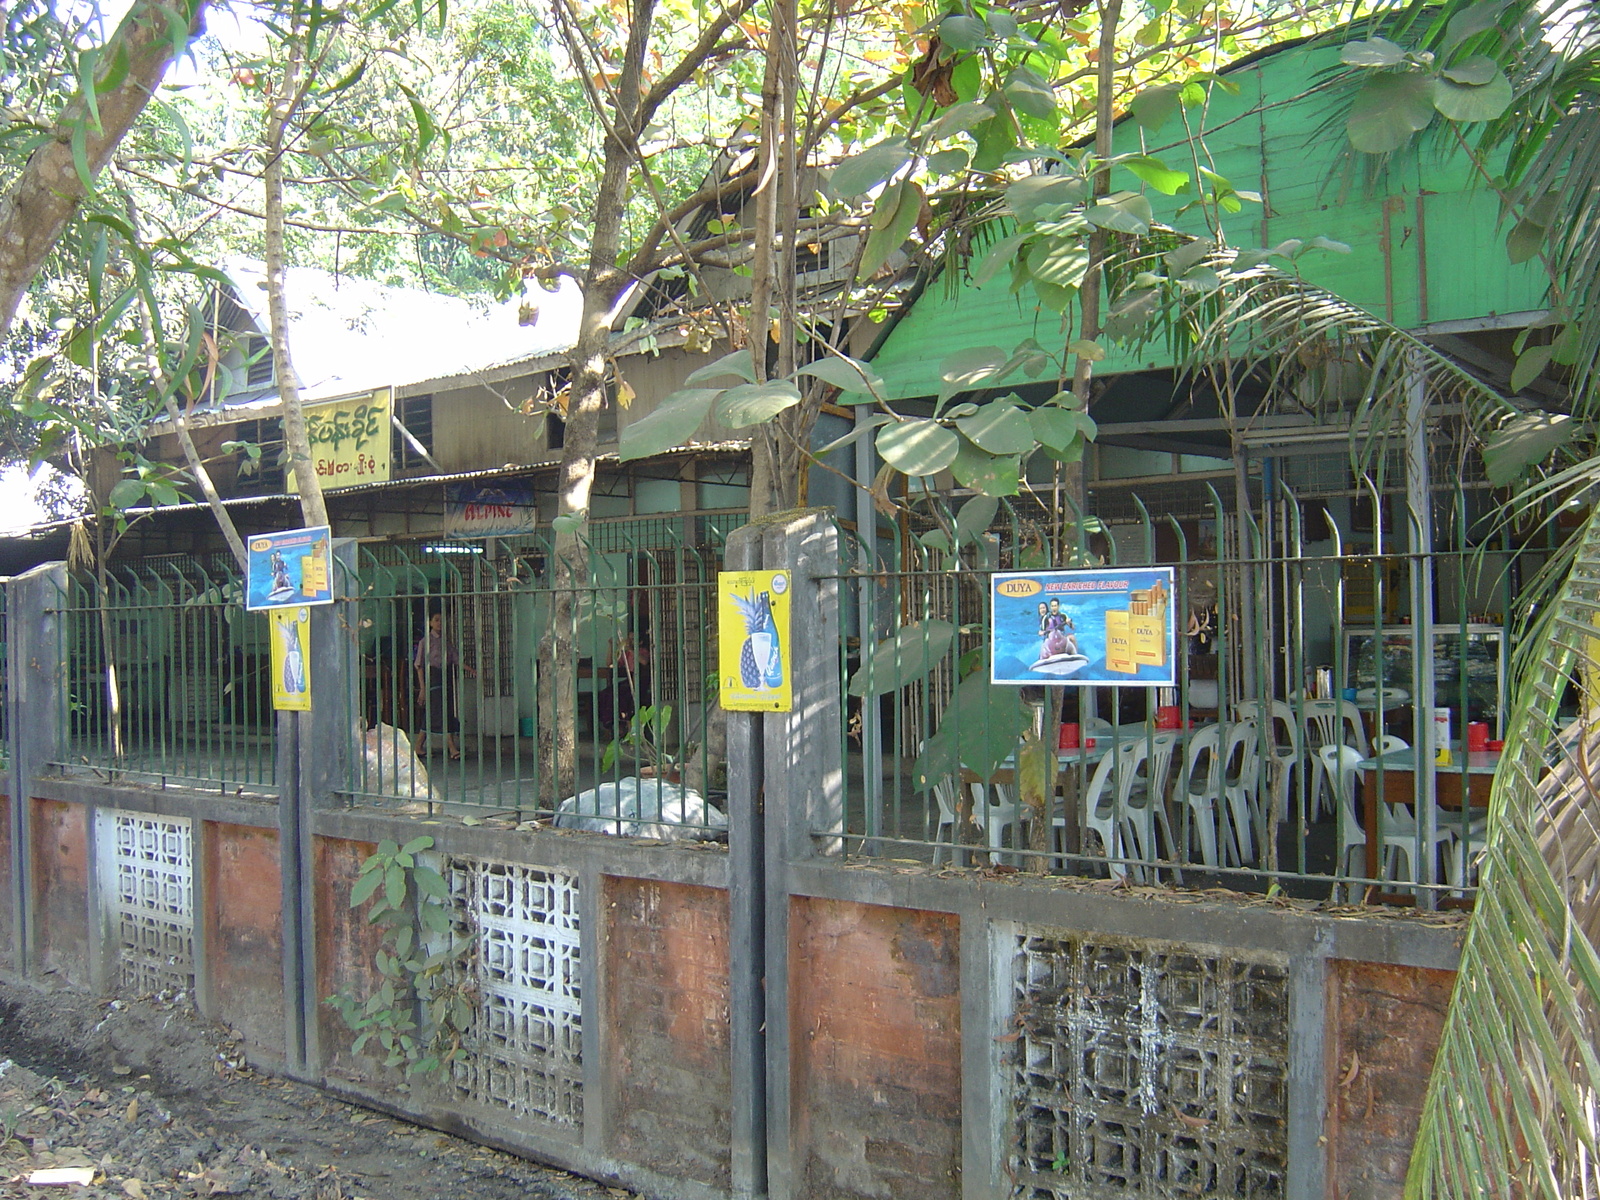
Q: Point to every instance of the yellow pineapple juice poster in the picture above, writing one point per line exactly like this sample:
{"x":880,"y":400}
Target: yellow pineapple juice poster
{"x":291,"y":668}
{"x":753,"y":641}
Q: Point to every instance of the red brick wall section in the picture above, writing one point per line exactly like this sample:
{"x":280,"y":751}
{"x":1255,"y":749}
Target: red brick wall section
{"x":1384,"y":1026}
{"x":346,"y":944}
{"x":61,"y":888}
{"x":666,"y":1009}
{"x":243,"y":921}
{"x":875,"y":1038}
{"x":7,"y":952}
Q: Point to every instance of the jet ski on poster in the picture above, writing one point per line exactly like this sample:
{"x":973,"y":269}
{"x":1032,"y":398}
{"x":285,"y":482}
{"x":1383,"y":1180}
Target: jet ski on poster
{"x":1106,"y":627}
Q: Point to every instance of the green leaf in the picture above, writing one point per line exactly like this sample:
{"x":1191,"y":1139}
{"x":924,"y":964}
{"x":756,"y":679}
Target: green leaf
{"x":960,"y":118}
{"x":417,"y":845}
{"x":364,"y":887}
{"x":394,"y":887}
{"x":999,"y":428}
{"x":1378,"y":52}
{"x":1523,"y":442}
{"x":976,"y":515}
{"x":1001,"y":23}
{"x":568,"y":523}
{"x":991,"y":474}
{"x":998,"y":255}
{"x":995,"y":140}
{"x":737,"y":362}
{"x":1057,"y":428}
{"x":1470,"y":22}
{"x":1325,"y":243}
{"x":430,"y":883}
{"x":967,"y":370}
{"x":1157,"y":174}
{"x":1062,"y":262}
{"x":1188,"y":255}
{"x":670,"y":423}
{"x":844,"y":373}
{"x":1155,"y":106}
{"x":1244,"y":260}
{"x":862,"y":172}
{"x":918,"y":446}
{"x":1525,"y":240}
{"x":909,"y":655}
{"x":1131,"y":313}
{"x":756,"y":403}
{"x":1122,"y":212}
{"x":1530,"y":365}
{"x":126,"y":493}
{"x":1469,"y":102}
{"x":894,"y":216}
{"x":948,"y":162}
{"x":1200,"y":279}
{"x":979,"y":732}
{"x":1090,"y":351}
{"x":962,"y":32}
{"x":1474,"y":72}
{"x":1030,"y":93}
{"x":1388,"y":110}
{"x":1027,"y":196}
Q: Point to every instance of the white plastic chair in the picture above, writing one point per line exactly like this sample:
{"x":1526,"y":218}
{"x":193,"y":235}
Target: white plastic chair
{"x":1397,"y":824}
{"x":1286,"y":746}
{"x":1339,"y":765}
{"x":994,"y":816}
{"x":1331,"y":723}
{"x":1199,"y":789}
{"x":1099,"y":810}
{"x":1241,"y":769}
{"x":1141,"y":795}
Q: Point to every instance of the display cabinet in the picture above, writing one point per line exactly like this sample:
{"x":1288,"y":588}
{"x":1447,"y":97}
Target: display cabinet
{"x":1474,"y":654}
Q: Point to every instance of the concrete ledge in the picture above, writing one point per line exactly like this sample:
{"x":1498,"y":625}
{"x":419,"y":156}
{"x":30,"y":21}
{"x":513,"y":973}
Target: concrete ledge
{"x":1250,"y":923}
{"x":702,"y":864}
{"x":258,"y":812}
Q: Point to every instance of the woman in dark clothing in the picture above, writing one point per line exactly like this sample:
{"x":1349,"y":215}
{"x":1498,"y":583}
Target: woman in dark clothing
{"x":435,"y":662}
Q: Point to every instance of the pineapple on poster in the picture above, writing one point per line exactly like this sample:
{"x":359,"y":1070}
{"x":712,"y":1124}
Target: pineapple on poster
{"x":753,"y":641}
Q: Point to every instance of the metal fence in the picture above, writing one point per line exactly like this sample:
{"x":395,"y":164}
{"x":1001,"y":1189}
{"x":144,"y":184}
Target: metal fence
{"x":1301,"y":730}
{"x":446,"y":700}
{"x":166,"y":678}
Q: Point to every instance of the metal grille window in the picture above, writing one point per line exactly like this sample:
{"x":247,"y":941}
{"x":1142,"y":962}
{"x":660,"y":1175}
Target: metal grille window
{"x":526,"y":1045}
{"x":262,"y":474}
{"x":416,"y":414}
{"x":1145,"y":1069}
{"x":147,"y":894}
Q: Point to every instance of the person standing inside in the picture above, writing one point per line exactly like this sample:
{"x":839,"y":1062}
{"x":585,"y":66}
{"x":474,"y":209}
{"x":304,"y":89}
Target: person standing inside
{"x":435,"y":662}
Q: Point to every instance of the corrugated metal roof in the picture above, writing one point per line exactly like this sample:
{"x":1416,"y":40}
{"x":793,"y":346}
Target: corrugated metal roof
{"x":1424,"y":238}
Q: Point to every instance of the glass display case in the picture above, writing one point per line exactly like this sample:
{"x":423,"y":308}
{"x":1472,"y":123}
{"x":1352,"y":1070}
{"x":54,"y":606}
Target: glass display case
{"x":1484,"y":665}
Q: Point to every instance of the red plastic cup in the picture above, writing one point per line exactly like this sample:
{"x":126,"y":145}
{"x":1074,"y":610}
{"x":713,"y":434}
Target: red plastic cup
{"x":1070,"y":733}
{"x":1168,"y":716}
{"x":1088,"y":743}
{"x":1477,"y":735}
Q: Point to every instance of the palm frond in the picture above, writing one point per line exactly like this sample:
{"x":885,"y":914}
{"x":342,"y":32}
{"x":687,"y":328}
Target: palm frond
{"x":1511,"y":1109}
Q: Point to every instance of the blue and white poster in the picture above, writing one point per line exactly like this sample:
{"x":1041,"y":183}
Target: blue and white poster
{"x":289,"y":568}
{"x":1105,"y":627}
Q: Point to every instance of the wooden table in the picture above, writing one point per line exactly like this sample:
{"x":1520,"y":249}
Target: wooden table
{"x":1392,"y":778}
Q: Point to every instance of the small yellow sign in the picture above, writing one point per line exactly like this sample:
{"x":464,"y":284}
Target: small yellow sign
{"x":350,"y":440}
{"x":753,"y":656}
{"x":291,"y":665}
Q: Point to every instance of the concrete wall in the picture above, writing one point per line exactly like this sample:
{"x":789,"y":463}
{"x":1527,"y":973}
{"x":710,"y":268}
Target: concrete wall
{"x":1385,"y":1022}
{"x":666,"y":1001}
{"x":60,"y":901}
{"x":241,"y":927}
{"x":7,"y":909}
{"x":875,"y":1031}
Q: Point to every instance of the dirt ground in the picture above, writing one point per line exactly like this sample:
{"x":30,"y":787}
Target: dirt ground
{"x":161,"y":1104}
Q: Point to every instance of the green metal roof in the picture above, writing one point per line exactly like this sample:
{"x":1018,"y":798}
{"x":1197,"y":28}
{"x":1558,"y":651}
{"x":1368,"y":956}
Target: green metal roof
{"x":1426,"y":243}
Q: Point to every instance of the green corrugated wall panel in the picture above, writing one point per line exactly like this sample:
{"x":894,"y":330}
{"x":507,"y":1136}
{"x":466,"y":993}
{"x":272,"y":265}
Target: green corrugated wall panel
{"x":1294,"y":153}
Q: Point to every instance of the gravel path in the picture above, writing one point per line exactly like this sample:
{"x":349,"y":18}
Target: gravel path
{"x":161,"y":1104}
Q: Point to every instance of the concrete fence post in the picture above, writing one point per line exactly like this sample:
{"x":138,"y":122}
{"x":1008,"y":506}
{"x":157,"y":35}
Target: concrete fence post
{"x":36,"y":665}
{"x":314,"y":750}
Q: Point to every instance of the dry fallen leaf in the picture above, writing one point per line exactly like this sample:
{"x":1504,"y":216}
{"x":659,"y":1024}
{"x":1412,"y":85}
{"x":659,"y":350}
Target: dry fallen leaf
{"x":134,"y":1188}
{"x":133,"y":1109}
{"x":1351,"y":1071}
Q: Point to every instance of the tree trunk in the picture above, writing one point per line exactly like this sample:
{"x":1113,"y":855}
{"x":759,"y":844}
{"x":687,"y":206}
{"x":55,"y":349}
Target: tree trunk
{"x":603,"y":283}
{"x":296,"y":440}
{"x":38,"y":206}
